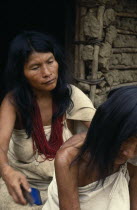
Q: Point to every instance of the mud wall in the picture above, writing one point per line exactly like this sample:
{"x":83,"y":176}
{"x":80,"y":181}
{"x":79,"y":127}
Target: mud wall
{"x":105,"y":46}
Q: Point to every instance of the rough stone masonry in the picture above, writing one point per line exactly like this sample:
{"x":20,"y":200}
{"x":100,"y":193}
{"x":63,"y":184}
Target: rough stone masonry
{"x":105,"y":46}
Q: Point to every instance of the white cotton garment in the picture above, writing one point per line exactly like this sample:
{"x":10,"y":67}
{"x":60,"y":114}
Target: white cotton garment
{"x":113,"y":195}
{"x":21,"y":154}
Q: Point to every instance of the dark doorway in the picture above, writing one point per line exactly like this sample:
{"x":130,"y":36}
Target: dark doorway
{"x":54,"y":17}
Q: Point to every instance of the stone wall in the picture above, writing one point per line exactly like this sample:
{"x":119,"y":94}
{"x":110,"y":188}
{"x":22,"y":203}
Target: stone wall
{"x":105,"y":46}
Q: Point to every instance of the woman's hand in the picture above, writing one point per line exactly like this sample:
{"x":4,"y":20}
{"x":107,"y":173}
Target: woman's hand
{"x":14,"y":180}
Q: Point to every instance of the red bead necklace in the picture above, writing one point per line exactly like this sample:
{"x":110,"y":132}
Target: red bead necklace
{"x":48,"y":148}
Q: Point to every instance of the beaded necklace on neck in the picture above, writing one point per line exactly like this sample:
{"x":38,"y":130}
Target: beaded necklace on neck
{"x":40,"y":142}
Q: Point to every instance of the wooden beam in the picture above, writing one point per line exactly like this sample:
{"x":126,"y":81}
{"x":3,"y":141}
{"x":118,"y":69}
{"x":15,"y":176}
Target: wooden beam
{"x":126,"y":14}
{"x":108,"y":89}
{"x":123,"y":67}
{"x":121,"y":31}
{"x":124,"y":50}
{"x":124,"y":84}
{"x":90,"y":82}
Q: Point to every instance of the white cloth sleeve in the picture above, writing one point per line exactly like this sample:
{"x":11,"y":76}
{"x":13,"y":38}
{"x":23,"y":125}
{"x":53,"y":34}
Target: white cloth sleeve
{"x":83,"y":108}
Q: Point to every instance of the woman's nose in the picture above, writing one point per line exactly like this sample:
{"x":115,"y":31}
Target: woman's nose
{"x":45,"y":71}
{"x":129,"y":153}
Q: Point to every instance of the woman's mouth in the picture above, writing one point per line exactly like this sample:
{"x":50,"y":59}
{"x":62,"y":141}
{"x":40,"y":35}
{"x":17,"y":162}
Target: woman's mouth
{"x":49,"y":81}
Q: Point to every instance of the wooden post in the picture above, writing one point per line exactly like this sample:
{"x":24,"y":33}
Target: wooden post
{"x":76,"y":62}
{"x":81,"y":38}
{"x":100,"y":14}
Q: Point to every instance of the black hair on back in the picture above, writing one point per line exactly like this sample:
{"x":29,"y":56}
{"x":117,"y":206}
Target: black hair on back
{"x":114,"y":122}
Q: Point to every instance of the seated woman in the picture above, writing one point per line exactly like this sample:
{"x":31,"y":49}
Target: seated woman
{"x":36,"y":117}
{"x":97,"y":175}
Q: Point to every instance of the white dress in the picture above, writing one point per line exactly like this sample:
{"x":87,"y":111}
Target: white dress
{"x":113,"y":195}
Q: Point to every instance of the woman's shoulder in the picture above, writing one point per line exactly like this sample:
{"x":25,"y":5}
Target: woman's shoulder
{"x":83,"y":108}
{"x":7,"y":107}
{"x":79,"y":96}
{"x":70,"y":149}
{"x":7,"y":116}
{"x":76,"y":90}
{"x":8,"y":100}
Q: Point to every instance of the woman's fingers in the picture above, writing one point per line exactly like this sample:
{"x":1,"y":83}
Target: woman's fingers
{"x":16,"y":192}
{"x":25,"y":184}
{"x":15,"y":197}
{"x":20,"y":196}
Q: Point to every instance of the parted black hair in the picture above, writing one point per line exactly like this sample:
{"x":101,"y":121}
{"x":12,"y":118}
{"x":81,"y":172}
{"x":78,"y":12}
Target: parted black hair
{"x":114,"y":122}
{"x":20,"y":49}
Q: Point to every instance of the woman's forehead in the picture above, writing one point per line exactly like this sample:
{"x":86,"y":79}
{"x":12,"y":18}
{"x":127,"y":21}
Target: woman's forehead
{"x":37,"y":56}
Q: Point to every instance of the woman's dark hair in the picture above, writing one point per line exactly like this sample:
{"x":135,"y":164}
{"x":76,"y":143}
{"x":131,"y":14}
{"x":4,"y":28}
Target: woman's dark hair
{"x":21,"y":47}
{"x":114,"y":122}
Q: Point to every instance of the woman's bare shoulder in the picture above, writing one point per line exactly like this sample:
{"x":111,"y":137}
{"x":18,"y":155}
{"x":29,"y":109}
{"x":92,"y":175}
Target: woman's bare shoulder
{"x":7,"y":108}
{"x":8,"y":100}
{"x":70,"y":149}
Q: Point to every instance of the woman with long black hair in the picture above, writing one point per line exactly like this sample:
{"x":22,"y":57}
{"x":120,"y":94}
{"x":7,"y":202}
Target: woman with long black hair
{"x":36,"y":116}
{"x":97,"y":176}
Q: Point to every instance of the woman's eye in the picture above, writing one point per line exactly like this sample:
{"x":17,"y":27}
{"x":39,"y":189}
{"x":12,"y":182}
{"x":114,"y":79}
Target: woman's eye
{"x":35,"y":68}
{"x":50,"y":61}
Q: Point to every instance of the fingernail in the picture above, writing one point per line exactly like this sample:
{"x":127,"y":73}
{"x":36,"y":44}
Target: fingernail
{"x":29,"y":190}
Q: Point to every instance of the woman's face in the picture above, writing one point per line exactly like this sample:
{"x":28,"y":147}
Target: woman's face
{"x":41,"y":71}
{"x":128,"y":150}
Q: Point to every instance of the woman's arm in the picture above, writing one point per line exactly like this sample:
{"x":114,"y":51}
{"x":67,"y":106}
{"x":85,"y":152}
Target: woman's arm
{"x":133,"y":186}
{"x":7,"y":121}
{"x":12,"y":178}
{"x":67,"y":173}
